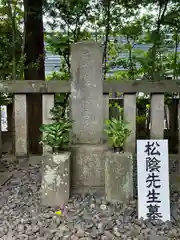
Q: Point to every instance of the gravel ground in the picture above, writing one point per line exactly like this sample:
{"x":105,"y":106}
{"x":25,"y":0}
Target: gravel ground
{"x":85,"y":217}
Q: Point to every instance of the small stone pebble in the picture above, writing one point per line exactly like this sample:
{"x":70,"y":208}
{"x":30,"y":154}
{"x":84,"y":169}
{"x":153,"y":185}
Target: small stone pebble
{"x":103,"y":207}
{"x":87,"y":216}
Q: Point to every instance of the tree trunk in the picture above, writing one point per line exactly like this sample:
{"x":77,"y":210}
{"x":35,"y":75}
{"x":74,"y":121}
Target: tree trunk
{"x":34,"y":68}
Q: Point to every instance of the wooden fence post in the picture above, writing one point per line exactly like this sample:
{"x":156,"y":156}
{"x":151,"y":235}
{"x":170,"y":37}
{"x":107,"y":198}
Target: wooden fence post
{"x":47,"y":105}
{"x":105,"y":113}
{"x":157,"y":116}
{"x":20,"y":118}
{"x":130,"y":117}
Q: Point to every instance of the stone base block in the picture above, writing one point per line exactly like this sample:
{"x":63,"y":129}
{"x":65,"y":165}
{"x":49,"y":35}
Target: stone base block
{"x":55,"y":186}
{"x":88,"y":166}
{"x":118,"y":176}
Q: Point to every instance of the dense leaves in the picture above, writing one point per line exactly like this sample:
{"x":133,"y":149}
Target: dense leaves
{"x":10,"y":41}
{"x":134,"y":35}
{"x":117,"y":132}
{"x":56,"y":134}
{"x":139,"y":36}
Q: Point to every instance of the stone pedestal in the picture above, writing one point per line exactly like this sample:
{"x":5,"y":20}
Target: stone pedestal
{"x":55,"y":186}
{"x":118,"y":176}
{"x":88,"y":166}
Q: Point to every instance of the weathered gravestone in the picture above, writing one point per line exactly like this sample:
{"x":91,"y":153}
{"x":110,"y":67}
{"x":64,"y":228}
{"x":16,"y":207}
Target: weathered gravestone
{"x":87,"y":113}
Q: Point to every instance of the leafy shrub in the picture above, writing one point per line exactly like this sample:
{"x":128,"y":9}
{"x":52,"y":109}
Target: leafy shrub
{"x":56,"y":134}
{"x":117,"y":132}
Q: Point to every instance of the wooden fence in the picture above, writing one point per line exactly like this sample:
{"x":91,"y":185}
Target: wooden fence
{"x":128,"y":88}
{"x":143,"y":118}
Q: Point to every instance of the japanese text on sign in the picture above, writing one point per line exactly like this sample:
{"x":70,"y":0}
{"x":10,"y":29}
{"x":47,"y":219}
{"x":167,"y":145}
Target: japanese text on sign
{"x":153,"y":179}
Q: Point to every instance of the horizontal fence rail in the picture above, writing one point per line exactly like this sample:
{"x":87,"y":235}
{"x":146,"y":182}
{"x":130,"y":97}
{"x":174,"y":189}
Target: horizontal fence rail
{"x":127,"y":86}
{"x":35,"y":86}
{"x":58,"y":86}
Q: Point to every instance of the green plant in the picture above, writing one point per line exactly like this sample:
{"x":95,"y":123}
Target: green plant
{"x":117,"y":133}
{"x":56,"y":134}
{"x":116,"y":105}
{"x":56,"y":113}
{"x":141,"y":118}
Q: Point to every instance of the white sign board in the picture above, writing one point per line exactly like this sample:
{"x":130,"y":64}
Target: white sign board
{"x":153,"y":179}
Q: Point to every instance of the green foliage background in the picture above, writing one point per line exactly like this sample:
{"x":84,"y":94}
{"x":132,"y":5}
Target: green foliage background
{"x":118,"y":24}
